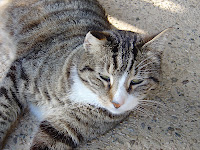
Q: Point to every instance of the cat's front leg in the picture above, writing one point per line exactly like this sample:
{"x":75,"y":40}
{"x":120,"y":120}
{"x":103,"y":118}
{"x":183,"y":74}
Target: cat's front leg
{"x":11,"y":105}
{"x":52,"y":137}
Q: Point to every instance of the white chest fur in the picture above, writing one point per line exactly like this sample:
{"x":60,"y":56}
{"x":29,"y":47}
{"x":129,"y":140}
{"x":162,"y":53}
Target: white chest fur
{"x":80,"y":93}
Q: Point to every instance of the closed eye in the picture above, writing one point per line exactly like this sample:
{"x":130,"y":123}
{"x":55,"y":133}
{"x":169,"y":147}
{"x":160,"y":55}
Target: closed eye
{"x":136,"y":81}
{"x":105,"y":78}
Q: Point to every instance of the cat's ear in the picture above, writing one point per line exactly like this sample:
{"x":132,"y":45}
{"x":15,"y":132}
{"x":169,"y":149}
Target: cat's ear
{"x":94,"y":40}
{"x":156,"y":41}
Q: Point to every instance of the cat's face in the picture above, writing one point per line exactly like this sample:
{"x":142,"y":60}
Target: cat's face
{"x":113,"y":73}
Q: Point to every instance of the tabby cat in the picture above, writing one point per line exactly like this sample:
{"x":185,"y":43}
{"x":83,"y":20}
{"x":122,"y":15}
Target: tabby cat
{"x":77,"y":74}
{"x":7,"y":52}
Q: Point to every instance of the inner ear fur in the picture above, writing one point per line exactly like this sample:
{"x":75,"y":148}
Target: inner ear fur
{"x":94,"y":40}
{"x":100,"y":35}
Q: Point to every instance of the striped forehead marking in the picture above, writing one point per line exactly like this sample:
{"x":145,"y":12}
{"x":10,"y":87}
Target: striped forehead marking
{"x":124,"y":47}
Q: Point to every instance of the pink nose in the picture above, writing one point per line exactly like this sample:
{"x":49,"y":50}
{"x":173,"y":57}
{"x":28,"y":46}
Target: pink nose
{"x":116,"y":105}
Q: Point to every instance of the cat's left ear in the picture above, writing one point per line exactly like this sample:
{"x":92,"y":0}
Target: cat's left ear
{"x":155,"y":41}
{"x":94,"y":40}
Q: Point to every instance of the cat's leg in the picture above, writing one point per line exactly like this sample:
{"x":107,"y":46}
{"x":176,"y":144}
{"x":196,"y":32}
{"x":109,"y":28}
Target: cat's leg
{"x":11,"y":105}
{"x":10,"y":108}
{"x":56,"y":135}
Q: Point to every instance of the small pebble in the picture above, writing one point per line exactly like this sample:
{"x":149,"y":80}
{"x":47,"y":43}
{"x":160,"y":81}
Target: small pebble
{"x":174,"y":117}
{"x":177,"y":134}
{"x":178,"y":129}
{"x":149,"y":128}
{"x":171,"y":129}
{"x":143,"y":125}
{"x":131,"y":130}
{"x":185,"y":81}
{"x":137,"y":19}
{"x":174,"y":80}
{"x":132,"y":142}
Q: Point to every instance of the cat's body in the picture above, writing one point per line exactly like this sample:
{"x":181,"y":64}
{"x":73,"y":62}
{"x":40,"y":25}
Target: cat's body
{"x":7,"y":52}
{"x":80,"y":87}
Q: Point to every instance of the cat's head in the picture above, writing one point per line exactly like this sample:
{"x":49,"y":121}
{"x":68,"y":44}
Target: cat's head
{"x":117,"y":69}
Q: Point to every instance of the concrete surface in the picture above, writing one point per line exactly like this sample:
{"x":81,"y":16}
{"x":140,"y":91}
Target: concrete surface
{"x":175,"y":125}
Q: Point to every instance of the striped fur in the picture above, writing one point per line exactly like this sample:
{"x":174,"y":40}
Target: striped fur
{"x":7,"y":52}
{"x":73,"y":70}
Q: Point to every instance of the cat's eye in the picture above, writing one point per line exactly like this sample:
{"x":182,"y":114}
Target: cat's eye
{"x":105,"y":78}
{"x":136,"y":81}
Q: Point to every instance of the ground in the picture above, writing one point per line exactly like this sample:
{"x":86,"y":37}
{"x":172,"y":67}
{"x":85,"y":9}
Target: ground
{"x":175,"y":125}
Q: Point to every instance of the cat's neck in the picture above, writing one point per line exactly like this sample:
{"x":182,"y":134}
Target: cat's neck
{"x":70,"y":63}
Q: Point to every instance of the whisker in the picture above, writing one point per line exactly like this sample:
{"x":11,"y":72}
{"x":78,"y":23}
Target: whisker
{"x":140,"y":110}
{"x":145,"y":60}
{"x":148,"y":104}
{"x":144,"y":111}
{"x":138,"y":68}
{"x":144,"y":72}
{"x":152,"y":101}
{"x":147,"y":70}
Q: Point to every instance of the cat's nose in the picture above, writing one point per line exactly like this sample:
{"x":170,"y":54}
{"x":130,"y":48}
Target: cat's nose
{"x":116,"y":105}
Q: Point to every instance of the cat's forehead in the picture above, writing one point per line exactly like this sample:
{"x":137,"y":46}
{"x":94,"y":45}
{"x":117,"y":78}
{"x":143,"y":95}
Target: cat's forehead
{"x":123,"y":51}
{"x":121,"y":36}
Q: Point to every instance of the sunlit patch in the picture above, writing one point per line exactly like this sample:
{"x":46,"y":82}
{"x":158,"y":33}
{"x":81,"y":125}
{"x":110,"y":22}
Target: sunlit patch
{"x":123,"y":25}
{"x":3,"y":3}
{"x":167,"y":5}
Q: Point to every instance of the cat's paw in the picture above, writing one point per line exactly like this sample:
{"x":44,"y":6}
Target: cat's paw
{"x":42,"y":141}
{"x":49,"y":138}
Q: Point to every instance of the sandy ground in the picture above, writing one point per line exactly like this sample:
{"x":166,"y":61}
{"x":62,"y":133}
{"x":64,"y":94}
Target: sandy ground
{"x":175,"y":125}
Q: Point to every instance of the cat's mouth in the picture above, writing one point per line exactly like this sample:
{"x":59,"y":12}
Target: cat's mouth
{"x":129,"y":104}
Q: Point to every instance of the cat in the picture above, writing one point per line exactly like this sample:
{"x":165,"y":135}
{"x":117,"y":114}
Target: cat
{"x":79,"y":75}
{"x":7,"y":52}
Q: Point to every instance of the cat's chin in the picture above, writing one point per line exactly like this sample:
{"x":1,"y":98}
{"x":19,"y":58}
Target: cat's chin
{"x":118,"y":111}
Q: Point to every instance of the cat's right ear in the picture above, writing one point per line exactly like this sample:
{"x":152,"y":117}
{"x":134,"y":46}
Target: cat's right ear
{"x":155,"y":41}
{"x":94,"y":41}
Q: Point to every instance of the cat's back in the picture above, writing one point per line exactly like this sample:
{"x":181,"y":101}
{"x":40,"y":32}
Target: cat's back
{"x":52,"y":24}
